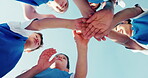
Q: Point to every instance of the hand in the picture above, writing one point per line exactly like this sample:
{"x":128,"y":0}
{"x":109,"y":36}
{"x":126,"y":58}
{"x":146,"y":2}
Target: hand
{"x":80,"y":23}
{"x":43,"y":62}
{"x":100,"y":20}
{"x":79,"y":39}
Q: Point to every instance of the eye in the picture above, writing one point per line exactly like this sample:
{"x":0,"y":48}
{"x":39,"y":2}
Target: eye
{"x":64,"y":58}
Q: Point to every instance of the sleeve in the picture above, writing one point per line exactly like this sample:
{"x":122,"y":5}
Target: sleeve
{"x":72,"y":75}
{"x":31,"y":2}
{"x":19,"y":27}
{"x":145,"y":52}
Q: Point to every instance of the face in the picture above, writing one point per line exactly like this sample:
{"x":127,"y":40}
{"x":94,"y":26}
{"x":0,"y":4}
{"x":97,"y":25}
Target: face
{"x":94,"y":6}
{"x":61,"y":61}
{"x":34,"y":41}
{"x":59,"y":5}
{"x":124,"y":28}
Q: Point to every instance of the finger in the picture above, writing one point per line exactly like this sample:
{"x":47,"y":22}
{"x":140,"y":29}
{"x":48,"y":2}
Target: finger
{"x":76,"y":35}
{"x":88,"y":29}
{"x":84,"y":20}
{"x":93,"y":33}
{"x":52,"y":61}
{"x":103,"y":38}
{"x":100,"y":35}
{"x":92,"y":18}
{"x":90,"y":34}
{"x":98,"y":39}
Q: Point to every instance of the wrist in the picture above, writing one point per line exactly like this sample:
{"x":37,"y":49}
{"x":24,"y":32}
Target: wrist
{"x":38,"y":68}
{"x":82,"y":45}
{"x":71,"y":24}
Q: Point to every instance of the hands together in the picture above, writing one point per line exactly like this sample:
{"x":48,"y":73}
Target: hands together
{"x":98,"y":25}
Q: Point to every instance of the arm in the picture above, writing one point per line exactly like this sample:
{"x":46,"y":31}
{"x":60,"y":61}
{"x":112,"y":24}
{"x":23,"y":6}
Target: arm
{"x":101,"y":20}
{"x":121,"y":16}
{"x":31,"y":13}
{"x":43,"y":64}
{"x":124,"y":40}
{"x":51,"y":23}
{"x":84,"y":7}
{"x":126,"y":14}
{"x":81,"y":66}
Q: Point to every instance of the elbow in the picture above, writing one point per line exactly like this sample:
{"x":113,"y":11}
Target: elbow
{"x":30,"y":16}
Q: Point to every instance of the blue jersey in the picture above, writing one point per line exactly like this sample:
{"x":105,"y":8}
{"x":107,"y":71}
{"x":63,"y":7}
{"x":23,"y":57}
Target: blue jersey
{"x":96,"y":1}
{"x":140,"y":28}
{"x":34,"y":2}
{"x":11,"y":48}
{"x":53,"y":73}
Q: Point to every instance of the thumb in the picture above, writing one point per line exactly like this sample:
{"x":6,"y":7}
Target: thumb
{"x":91,"y":19}
{"x":52,"y":61}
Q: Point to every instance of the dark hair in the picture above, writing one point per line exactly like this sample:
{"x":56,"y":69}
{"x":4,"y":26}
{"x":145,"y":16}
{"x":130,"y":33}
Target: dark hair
{"x":41,"y":43}
{"x":129,"y":21}
{"x":68,"y":65}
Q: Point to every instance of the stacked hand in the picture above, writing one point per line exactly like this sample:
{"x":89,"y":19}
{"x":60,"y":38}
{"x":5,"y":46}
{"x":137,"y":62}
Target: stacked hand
{"x":43,"y":62}
{"x":98,"y":25}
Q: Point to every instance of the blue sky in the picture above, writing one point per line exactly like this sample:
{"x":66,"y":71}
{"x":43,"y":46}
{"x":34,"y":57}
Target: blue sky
{"x":105,"y":59}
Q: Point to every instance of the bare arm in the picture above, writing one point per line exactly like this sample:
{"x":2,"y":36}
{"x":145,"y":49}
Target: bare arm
{"x":51,"y":23}
{"x":84,"y":7}
{"x":126,"y":14}
{"x":43,"y":64}
{"x":31,"y":13}
{"x":30,"y":73}
{"x":124,"y":40}
{"x":81,"y":66}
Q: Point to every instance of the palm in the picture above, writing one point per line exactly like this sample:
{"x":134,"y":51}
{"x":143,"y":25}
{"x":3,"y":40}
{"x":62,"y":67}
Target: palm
{"x":43,"y":61}
{"x":101,"y":20}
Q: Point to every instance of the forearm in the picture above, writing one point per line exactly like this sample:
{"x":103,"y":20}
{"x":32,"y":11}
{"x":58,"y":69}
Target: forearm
{"x":81,"y":67}
{"x":51,"y":23}
{"x":126,"y":14}
{"x":84,"y":8}
{"x":118,"y":37}
{"x":30,"y":73}
{"x":124,"y":40}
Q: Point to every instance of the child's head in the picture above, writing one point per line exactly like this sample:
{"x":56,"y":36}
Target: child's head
{"x":60,"y":6}
{"x":62,"y":61}
{"x":94,"y":6}
{"x":124,"y":28}
{"x":34,"y":41}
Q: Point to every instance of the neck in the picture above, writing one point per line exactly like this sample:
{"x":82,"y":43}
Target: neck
{"x":62,"y":69}
{"x":26,"y":45}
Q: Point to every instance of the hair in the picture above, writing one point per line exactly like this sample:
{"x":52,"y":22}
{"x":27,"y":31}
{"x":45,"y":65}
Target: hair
{"x":41,"y":43}
{"x":68,"y":65}
{"x":129,"y":21}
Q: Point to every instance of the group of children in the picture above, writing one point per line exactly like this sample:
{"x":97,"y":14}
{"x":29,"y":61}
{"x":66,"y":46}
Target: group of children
{"x":22,"y":36}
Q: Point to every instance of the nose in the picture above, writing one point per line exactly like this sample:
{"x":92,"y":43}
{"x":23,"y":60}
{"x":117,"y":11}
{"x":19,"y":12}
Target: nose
{"x":37,"y":41}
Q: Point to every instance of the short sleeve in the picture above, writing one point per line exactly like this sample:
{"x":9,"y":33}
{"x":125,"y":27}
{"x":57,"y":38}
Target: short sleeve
{"x":72,"y":75}
{"x":19,"y":27}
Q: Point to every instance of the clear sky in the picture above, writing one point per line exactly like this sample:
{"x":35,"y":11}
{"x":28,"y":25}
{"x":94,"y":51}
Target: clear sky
{"x":105,"y":59}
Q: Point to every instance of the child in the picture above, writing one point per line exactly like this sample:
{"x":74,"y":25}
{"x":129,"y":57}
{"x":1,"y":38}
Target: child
{"x":42,"y":70}
{"x":138,"y":31}
{"x":59,"y":6}
{"x":17,"y":36}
